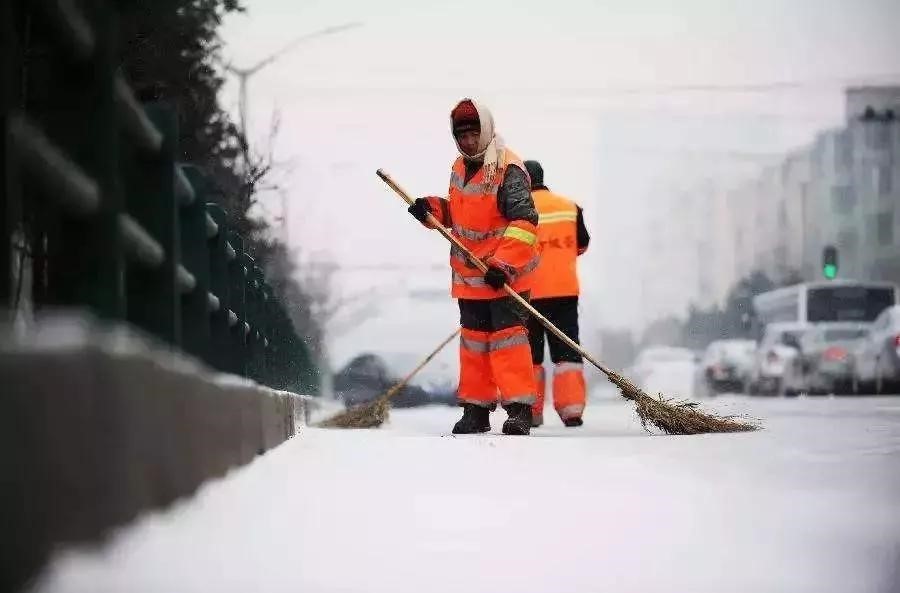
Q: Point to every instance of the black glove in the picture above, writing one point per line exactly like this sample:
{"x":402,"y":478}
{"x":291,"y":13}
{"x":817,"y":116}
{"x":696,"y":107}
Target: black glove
{"x":420,"y":210}
{"x":495,"y":277}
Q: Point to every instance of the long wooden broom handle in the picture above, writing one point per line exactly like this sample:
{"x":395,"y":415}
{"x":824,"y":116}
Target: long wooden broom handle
{"x":481,"y":266}
{"x":402,"y":382}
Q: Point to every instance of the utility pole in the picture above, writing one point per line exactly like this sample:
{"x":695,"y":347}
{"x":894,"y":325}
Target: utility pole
{"x":244,"y":74}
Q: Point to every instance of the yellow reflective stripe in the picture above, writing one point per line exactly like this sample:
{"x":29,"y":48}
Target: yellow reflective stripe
{"x":557,"y":217}
{"x":514,"y":232}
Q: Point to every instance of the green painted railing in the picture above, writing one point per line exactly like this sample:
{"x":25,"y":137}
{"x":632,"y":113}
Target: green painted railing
{"x":114,"y":223}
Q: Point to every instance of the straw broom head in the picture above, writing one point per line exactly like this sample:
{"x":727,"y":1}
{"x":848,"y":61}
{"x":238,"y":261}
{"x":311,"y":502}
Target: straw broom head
{"x":370,"y":415}
{"x":676,"y":417}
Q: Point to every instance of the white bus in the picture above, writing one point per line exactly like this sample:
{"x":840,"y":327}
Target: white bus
{"x":826,"y":301}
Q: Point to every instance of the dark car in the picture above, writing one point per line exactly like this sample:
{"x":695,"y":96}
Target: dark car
{"x":366,"y":378}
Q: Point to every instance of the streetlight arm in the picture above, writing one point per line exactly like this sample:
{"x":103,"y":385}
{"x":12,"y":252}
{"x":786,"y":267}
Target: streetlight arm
{"x":298,"y":41}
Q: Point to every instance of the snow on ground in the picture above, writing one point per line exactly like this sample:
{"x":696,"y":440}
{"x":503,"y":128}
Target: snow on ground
{"x":810,"y":504}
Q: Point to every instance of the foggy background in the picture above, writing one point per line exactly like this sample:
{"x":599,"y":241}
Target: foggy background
{"x":631,"y":107}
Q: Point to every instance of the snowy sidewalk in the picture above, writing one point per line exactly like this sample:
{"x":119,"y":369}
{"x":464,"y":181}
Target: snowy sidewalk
{"x":811,"y":504}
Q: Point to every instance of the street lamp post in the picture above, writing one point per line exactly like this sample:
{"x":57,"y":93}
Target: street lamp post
{"x":244,"y":74}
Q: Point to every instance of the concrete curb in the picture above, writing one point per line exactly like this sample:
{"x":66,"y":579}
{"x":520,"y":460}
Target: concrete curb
{"x":98,"y":424}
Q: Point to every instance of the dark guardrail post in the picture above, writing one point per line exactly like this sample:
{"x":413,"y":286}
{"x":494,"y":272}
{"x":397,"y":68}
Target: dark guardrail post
{"x":10,"y":197}
{"x":220,"y":253}
{"x":267,"y":328}
{"x":281,"y":339}
{"x":259,"y":336}
{"x":83,"y":257}
{"x":253,"y":318}
{"x":197,"y":304}
{"x":237,"y":282}
{"x":154,"y":297}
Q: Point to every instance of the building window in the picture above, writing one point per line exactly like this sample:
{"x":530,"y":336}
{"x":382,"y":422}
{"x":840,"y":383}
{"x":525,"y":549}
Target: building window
{"x":877,"y":134}
{"x":848,"y":239}
{"x":843,"y":199}
{"x":885,"y":228}
{"x":843,"y":150}
{"x":883,"y":182}
{"x":848,"y":246}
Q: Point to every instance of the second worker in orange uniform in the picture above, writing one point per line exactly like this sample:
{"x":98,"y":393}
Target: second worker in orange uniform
{"x":562,"y":237}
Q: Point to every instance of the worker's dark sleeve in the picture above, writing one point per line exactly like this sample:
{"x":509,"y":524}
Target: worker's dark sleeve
{"x":516,"y":252}
{"x":582,"y":237}
{"x":514,"y":197}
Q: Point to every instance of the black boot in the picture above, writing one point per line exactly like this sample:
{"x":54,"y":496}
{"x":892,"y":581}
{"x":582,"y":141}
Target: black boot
{"x":573,"y":421}
{"x":475,"y":419}
{"x":519,"y":421}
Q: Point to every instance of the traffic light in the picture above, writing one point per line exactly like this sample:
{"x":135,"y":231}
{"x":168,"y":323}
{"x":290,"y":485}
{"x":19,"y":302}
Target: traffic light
{"x":829,"y":262}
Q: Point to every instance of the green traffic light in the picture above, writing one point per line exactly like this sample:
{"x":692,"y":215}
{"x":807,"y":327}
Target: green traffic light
{"x":830,"y":271}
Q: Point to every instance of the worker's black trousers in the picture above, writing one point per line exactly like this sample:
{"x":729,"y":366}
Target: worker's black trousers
{"x":491,"y":315}
{"x":563,"y":313}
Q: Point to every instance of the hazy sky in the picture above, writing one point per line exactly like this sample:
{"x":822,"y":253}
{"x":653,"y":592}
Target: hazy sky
{"x":595,"y":90}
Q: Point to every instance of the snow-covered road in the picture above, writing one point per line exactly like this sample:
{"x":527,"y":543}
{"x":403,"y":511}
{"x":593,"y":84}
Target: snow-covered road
{"x":810,"y":504}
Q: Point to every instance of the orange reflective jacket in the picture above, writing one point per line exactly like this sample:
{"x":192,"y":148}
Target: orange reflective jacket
{"x":472,"y":214}
{"x":557,"y":274}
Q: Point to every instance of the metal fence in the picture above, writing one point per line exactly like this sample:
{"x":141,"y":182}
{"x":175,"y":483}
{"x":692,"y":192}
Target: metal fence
{"x":111,"y":222}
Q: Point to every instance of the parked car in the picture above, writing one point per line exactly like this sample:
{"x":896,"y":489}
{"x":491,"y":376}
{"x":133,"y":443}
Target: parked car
{"x":876,"y":360}
{"x":724,"y":366}
{"x":774,"y":372}
{"x":665,"y":369}
{"x":825,"y":360}
{"x":366,"y":378}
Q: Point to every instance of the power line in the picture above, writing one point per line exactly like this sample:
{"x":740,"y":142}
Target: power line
{"x":782,"y":86}
{"x":375,"y":267}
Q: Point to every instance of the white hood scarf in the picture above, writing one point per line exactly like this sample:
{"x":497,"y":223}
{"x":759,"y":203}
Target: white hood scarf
{"x":490,"y":146}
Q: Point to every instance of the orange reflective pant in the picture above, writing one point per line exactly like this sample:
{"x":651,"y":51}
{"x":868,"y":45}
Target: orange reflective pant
{"x":494,"y":354}
{"x":537,"y":410}
{"x":569,"y":391}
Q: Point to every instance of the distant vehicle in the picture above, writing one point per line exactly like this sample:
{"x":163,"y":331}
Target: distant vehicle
{"x":825,"y":362}
{"x":664,"y":369}
{"x":774,"y":371}
{"x":876,"y":360}
{"x":824,"y":302}
{"x":366,"y":377}
{"x":724,"y":366}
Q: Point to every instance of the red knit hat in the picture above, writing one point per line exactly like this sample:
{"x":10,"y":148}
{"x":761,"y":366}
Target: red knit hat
{"x":465,"y":117}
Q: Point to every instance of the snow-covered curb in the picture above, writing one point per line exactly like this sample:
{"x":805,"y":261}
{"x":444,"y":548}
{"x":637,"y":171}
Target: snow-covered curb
{"x":99,"y":423}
